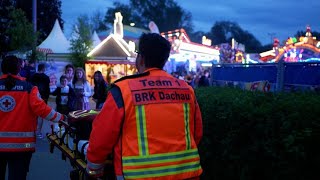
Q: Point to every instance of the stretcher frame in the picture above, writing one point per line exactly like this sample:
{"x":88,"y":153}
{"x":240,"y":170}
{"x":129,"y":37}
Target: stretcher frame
{"x":78,"y":164}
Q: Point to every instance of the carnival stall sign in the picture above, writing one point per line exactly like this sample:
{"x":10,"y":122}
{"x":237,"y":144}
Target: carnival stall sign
{"x":187,"y":52}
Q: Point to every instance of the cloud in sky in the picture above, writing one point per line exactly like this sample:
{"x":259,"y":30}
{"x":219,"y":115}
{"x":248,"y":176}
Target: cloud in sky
{"x":259,"y":17}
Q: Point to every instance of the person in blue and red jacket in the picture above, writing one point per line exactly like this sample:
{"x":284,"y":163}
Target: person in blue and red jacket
{"x":20,"y":105}
{"x":151,"y":122}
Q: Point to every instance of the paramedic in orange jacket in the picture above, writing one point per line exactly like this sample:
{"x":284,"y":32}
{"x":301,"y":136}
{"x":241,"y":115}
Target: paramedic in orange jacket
{"x":20,"y":105}
{"x":151,"y":122}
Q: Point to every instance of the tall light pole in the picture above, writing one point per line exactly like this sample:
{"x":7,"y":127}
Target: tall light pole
{"x":34,"y":22}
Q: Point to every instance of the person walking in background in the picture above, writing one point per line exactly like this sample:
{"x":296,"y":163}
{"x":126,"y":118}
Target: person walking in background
{"x":65,"y":96}
{"x":100,"y":90}
{"x":151,"y":122}
{"x":82,"y":90}
{"x":42,"y":81}
{"x":19,"y":107}
{"x":204,"y":79}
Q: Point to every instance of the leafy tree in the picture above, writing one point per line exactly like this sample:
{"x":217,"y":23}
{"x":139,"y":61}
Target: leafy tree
{"x":127,"y":13}
{"x":6,"y":6}
{"x":197,"y":36}
{"x":20,"y":31}
{"x":81,"y":42}
{"x":167,"y":14}
{"x":47,"y":12}
{"x":97,"y":22}
{"x":224,"y":31}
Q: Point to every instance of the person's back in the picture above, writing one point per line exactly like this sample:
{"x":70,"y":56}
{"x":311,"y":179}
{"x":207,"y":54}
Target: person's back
{"x":162,"y":122}
{"x":42,"y":81}
{"x":152,"y":121}
{"x":19,"y":108}
{"x":29,"y":70}
{"x":204,"y":80}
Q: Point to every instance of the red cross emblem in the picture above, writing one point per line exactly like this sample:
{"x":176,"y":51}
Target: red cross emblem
{"x":6,"y":103}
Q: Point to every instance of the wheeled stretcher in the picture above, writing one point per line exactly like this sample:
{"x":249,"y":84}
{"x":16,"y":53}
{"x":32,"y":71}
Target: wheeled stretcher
{"x":71,"y":138}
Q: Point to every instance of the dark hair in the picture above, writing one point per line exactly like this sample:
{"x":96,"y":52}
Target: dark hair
{"x":155,"y":49}
{"x":41,"y":67}
{"x":63,"y":77}
{"x":10,"y":65}
{"x":69,"y":66}
{"x":101,"y":80}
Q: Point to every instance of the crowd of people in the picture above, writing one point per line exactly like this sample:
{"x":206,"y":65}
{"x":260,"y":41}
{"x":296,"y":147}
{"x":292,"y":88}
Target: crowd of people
{"x":199,"y":79}
{"x":73,"y":91}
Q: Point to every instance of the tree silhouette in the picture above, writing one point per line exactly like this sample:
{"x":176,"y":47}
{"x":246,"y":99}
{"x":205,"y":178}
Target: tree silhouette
{"x":224,"y":31}
{"x":167,"y":14}
{"x":47,"y":12}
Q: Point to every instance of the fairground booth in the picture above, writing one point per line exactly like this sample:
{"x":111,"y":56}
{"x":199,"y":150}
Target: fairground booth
{"x":193,"y":56}
{"x":114,"y":57}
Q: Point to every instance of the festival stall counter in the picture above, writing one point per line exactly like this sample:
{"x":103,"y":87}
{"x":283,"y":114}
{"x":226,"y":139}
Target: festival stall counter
{"x":111,"y":69}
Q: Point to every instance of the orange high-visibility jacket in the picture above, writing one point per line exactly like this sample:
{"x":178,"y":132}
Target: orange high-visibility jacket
{"x":158,"y":135}
{"x":19,"y":109}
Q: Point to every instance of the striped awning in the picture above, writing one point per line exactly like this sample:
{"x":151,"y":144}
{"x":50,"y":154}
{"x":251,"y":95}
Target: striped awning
{"x":45,"y":50}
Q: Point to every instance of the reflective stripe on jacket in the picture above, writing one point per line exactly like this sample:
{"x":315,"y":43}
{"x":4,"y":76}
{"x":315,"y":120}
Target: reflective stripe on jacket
{"x":158,"y":130}
{"x":19,"y":109}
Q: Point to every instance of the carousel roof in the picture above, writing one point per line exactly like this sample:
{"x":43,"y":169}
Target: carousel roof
{"x":56,"y":41}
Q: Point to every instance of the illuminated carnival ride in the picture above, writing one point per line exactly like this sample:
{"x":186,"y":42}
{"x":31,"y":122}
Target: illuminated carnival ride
{"x":303,"y":49}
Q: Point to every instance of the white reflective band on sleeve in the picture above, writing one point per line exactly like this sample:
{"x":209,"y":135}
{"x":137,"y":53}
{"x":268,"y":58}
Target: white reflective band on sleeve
{"x":57,"y":118}
{"x":16,"y":134}
{"x":93,"y":166}
{"x":17,"y":145}
{"x":50,"y":115}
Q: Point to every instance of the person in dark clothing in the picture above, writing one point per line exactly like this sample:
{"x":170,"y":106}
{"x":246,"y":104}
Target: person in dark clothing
{"x":65,"y":96}
{"x":42,"y":81}
{"x":100,"y":90}
{"x":23,"y":71}
{"x":204,"y":79}
{"x":29,"y":70}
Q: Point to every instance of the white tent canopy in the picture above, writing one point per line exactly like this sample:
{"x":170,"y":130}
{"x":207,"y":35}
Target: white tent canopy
{"x":95,"y":39}
{"x":56,"y":41}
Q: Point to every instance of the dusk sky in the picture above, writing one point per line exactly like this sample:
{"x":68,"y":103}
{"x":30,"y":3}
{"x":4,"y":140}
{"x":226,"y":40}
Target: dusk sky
{"x":260,"y":17}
